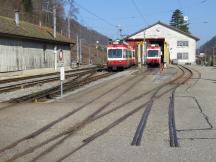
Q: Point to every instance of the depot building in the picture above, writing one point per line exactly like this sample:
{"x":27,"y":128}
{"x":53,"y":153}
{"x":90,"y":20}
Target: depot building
{"x":175,"y":44}
{"x":25,"y":46}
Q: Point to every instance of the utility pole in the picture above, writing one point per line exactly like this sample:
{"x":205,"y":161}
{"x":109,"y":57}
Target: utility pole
{"x":77,"y":44}
{"x":205,"y":56}
{"x":69,"y":31}
{"x":54,"y":34}
{"x":144,"y":47}
{"x":213,"y":56}
{"x":81,"y":51}
{"x":139,"y":56}
{"x":89,"y":55}
{"x":97,"y":43}
{"x":54,"y":21}
{"x":54,"y":28}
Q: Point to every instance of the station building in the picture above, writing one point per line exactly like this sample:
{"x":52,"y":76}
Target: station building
{"x":25,"y":46}
{"x":175,"y":44}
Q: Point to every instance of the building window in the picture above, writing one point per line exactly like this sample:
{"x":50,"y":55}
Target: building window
{"x":182,"y":56}
{"x":182,"y":43}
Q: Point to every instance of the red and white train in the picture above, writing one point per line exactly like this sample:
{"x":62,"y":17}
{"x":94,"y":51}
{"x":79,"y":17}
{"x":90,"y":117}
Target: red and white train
{"x":120,"y":55}
{"x":153,"y":55}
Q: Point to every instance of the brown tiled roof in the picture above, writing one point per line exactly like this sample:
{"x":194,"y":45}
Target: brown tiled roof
{"x":27,"y":30}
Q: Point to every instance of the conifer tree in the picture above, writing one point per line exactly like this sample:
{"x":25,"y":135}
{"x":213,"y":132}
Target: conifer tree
{"x":178,"y":21}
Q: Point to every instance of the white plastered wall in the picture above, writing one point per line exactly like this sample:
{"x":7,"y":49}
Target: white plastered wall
{"x":171,"y":37}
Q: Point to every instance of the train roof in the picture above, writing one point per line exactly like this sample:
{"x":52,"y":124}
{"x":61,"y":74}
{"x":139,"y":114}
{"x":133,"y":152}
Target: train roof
{"x":118,"y":45}
{"x":153,"y":46}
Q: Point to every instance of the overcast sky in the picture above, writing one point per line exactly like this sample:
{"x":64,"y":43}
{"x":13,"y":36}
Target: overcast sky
{"x":106,"y":16}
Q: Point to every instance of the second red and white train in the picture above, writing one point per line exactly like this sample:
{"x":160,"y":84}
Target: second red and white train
{"x":153,"y":55}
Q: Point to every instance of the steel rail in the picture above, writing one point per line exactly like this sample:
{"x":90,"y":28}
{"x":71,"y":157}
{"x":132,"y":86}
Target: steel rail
{"x":42,"y":75}
{"x":55,"y":90}
{"x":172,"y":126}
{"x":171,"y":115}
{"x":27,"y":84}
{"x":181,"y":79}
{"x":107,"y":128}
{"x":89,"y":119}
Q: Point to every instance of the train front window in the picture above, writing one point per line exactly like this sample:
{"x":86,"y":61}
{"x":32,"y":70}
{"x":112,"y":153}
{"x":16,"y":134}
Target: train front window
{"x":153,"y":53}
{"x":115,"y":53}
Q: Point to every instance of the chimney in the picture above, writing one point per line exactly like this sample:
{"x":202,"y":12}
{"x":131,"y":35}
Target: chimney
{"x":40,"y":23}
{"x":17,"y":17}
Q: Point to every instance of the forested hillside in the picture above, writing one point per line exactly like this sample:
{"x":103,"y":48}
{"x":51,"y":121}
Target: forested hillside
{"x":40,"y":12}
{"x":209,"y":48}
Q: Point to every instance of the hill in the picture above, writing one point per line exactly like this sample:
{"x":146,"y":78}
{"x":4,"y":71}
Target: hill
{"x":33,"y":11}
{"x":209,"y":48}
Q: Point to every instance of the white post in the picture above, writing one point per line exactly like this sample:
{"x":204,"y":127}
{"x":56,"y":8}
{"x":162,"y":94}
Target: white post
{"x":62,"y":78}
{"x":61,"y":88}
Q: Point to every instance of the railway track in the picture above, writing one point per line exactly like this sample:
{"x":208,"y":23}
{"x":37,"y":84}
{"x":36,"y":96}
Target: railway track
{"x":92,"y":117}
{"x":185,"y":75}
{"x":31,"y":83}
{"x":13,"y":84}
{"x":45,"y":75}
{"x":172,"y":126}
{"x":74,"y":79}
{"x":176,"y":82}
{"x":68,"y":86}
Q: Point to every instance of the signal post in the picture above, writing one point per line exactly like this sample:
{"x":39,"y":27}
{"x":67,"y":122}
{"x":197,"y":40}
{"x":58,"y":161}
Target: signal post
{"x":62,"y":70}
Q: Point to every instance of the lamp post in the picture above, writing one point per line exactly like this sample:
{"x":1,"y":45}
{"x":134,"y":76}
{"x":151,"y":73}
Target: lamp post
{"x":213,"y":55}
{"x":80,"y":55}
{"x":97,"y":44}
{"x":89,"y":55}
{"x":144,"y":46}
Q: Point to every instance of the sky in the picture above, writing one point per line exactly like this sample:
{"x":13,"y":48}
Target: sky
{"x":107,"y":16}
